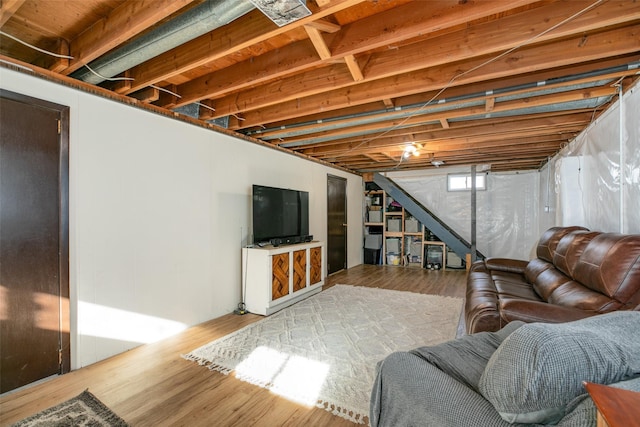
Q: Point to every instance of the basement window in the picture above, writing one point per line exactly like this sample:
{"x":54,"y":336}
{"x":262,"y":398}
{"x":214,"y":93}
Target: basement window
{"x":462,"y":182}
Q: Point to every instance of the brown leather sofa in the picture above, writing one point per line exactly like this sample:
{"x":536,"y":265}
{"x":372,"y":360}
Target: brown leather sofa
{"x":577,"y":273}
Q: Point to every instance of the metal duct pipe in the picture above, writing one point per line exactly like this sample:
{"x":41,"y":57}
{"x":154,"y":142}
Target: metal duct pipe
{"x":288,"y":131}
{"x":564,"y":106}
{"x":195,"y":22}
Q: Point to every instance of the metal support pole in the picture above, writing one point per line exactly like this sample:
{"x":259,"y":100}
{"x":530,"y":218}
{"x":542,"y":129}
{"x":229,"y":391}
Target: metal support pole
{"x":473,"y":213}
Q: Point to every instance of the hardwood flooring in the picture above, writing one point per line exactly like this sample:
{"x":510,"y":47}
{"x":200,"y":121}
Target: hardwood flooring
{"x":152,"y":385}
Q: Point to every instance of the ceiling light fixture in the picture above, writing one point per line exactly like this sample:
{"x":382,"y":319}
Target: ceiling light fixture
{"x":437,"y":163}
{"x":410,"y":150}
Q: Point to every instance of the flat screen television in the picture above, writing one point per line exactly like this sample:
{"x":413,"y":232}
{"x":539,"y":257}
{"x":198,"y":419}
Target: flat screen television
{"x":280,"y":216}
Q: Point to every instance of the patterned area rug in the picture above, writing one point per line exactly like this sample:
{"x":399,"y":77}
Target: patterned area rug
{"x":83,"y":410}
{"x":323,"y":351}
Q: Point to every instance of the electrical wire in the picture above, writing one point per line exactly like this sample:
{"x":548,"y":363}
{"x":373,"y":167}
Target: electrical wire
{"x":457,"y":76}
{"x":205,"y":106}
{"x":57,"y":55}
{"x":111,"y":79}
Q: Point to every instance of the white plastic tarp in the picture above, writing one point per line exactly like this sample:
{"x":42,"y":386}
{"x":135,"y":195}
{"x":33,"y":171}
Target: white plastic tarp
{"x":506,"y":219}
{"x":592,"y":188}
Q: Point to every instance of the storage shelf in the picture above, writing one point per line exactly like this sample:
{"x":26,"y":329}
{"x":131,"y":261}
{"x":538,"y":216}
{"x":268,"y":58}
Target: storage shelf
{"x":411,"y":243}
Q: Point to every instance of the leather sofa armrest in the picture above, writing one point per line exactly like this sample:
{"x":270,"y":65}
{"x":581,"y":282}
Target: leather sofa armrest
{"x":537,"y":311}
{"x":506,"y":264}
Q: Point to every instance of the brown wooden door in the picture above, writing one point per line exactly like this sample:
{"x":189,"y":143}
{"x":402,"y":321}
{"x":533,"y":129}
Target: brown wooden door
{"x":34,"y":270}
{"x":336,"y":223}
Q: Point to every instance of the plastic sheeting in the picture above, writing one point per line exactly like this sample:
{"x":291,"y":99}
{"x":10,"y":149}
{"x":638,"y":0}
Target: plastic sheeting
{"x":631,"y":138}
{"x":592,"y":189}
{"x":506,"y":216}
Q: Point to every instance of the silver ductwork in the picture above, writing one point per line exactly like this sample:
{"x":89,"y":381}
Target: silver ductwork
{"x":195,"y":22}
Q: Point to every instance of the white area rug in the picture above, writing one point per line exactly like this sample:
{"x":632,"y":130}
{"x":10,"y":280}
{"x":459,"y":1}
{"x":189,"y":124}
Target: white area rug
{"x":323,"y":351}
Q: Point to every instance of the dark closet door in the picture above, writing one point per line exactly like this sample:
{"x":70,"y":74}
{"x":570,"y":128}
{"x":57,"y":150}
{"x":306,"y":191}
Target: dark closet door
{"x":336,"y":223}
{"x":34,"y":329}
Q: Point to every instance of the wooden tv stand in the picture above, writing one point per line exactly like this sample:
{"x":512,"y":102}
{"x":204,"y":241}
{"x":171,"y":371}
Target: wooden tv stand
{"x":276,"y":277}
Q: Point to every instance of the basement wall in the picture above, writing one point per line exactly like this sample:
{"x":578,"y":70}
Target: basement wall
{"x":506,"y":218}
{"x":159,"y":211}
{"x":588,"y":185}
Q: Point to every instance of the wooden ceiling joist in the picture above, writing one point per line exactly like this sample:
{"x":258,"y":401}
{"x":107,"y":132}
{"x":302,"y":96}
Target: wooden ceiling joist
{"x":251,"y":29}
{"x":8,"y":8}
{"x":402,"y":60}
{"x":526,"y":60}
{"x":411,"y":58}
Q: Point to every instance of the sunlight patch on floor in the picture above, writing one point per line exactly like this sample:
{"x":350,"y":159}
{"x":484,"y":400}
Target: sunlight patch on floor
{"x":296,"y":378}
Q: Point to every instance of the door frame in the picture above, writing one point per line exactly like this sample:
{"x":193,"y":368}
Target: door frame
{"x":63,"y":215}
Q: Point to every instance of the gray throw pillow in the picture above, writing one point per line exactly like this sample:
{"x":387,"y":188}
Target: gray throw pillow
{"x":540,"y":367}
{"x":465,"y":358}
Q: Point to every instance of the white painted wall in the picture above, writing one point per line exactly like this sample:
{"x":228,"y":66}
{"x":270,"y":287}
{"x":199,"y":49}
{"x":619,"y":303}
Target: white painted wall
{"x":159,"y":211}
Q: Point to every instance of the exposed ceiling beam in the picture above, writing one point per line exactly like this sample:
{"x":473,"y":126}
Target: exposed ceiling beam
{"x":395,"y":62}
{"x":410,"y":20}
{"x":8,"y":8}
{"x":481,"y":40}
{"x":147,"y":95}
{"x":601,"y":45}
{"x":251,"y":29}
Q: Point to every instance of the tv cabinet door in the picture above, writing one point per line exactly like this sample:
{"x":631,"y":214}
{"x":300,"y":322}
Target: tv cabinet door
{"x":279,"y":276}
{"x":315,"y":274}
{"x":299,"y":270}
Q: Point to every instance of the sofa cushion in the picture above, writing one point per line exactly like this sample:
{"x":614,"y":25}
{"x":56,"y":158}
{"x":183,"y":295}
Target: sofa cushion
{"x":610,"y":264}
{"x":549,"y":241}
{"x":570,"y":248}
{"x":539,"y":369}
{"x":573,"y":294}
{"x":466,"y":357}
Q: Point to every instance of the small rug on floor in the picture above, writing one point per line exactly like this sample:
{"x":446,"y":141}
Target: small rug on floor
{"x":323,"y":350}
{"x":83,"y":410}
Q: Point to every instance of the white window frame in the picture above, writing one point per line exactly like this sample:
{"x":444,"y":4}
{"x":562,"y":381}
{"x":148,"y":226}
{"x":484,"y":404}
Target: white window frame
{"x":455,"y":182}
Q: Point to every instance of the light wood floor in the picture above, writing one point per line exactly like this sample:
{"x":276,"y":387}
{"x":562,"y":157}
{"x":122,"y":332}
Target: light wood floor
{"x":152,"y":385}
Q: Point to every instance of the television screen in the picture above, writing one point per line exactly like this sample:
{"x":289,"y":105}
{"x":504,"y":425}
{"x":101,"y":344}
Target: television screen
{"x":279,"y":213}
